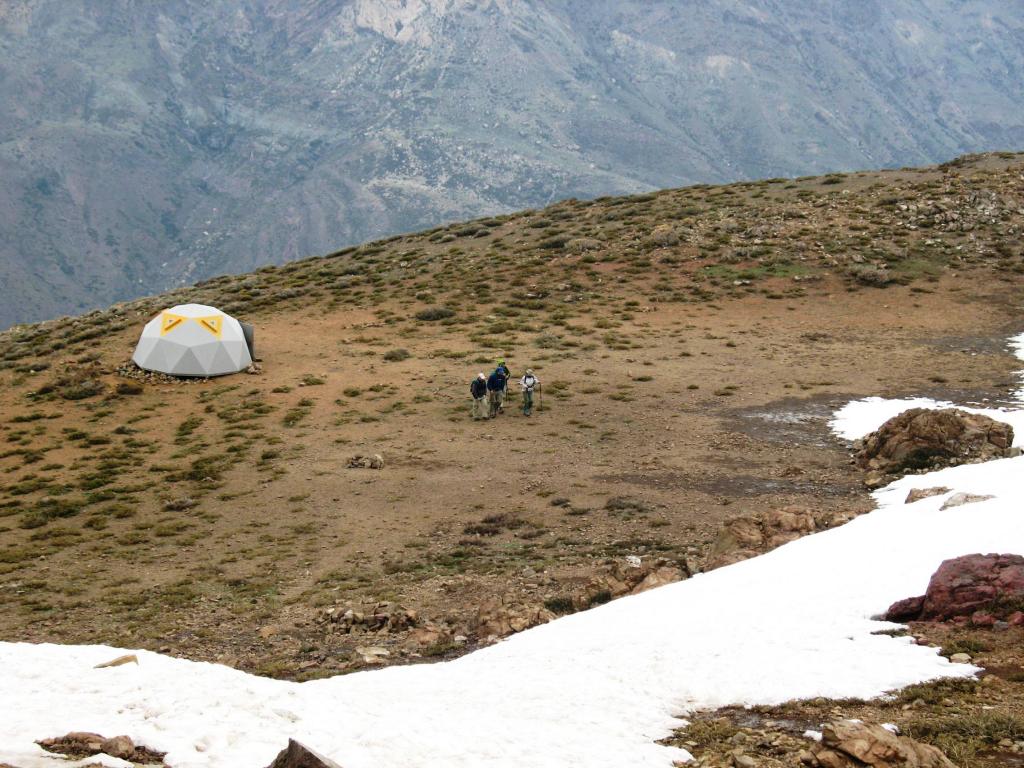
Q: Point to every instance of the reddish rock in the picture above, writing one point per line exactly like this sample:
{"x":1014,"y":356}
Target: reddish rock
{"x":1016,"y":619}
{"x":905,"y":610}
{"x":966,"y":587}
{"x":982,"y":619}
{"x":922,"y":438}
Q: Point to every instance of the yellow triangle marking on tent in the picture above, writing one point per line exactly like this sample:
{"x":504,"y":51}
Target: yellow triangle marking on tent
{"x":168,"y":322}
{"x":213,"y":324}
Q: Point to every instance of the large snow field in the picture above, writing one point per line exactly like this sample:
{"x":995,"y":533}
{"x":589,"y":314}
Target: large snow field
{"x":592,"y":689}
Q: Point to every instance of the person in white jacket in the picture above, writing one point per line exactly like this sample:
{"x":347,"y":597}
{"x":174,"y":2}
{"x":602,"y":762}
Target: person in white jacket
{"x":528,"y":383}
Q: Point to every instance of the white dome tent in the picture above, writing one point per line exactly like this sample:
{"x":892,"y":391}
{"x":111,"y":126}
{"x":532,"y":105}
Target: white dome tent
{"x":193,"y":340}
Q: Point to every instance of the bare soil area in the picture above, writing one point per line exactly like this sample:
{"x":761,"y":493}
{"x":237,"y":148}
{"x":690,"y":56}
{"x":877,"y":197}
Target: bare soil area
{"x":713,"y":411}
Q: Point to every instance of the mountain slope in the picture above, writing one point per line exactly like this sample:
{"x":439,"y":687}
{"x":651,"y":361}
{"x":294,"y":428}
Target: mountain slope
{"x":148,"y":146}
{"x":691,"y":343}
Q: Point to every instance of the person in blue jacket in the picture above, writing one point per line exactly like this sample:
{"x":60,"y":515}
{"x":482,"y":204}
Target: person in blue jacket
{"x":496,"y":392}
{"x":504,"y":371}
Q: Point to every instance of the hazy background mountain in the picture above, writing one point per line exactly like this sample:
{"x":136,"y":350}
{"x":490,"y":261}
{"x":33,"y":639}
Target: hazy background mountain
{"x":146,"y":144}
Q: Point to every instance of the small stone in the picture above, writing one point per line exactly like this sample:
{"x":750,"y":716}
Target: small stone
{"x":128,"y":658}
{"x":372,"y":654}
{"x":959,"y":499}
{"x":118,"y":746}
{"x":916,"y":494}
{"x":960,"y":658}
{"x":425,"y":636}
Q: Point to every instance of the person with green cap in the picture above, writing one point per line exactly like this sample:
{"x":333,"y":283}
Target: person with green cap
{"x":496,"y":384}
{"x":504,"y":371}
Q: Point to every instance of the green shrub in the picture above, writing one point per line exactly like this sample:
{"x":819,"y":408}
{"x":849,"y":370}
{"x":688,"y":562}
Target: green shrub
{"x":397,"y":355}
{"x":432,"y":314}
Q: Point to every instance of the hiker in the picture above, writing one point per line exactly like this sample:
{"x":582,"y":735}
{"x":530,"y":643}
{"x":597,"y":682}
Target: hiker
{"x":496,"y":392}
{"x":503,"y":369}
{"x":528,"y":383}
{"x":478,"y":389}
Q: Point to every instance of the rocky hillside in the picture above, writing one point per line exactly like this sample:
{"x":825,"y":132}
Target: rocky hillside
{"x":691,"y":345}
{"x":146,"y":146}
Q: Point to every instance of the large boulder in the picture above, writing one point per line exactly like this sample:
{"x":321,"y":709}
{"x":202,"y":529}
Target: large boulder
{"x":853,"y":744}
{"x":922,"y":438}
{"x":991,"y":585}
{"x":744,"y":537}
{"x":296,"y":755}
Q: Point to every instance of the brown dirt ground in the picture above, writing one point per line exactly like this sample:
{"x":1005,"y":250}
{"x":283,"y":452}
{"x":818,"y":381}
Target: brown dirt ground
{"x":711,"y":411}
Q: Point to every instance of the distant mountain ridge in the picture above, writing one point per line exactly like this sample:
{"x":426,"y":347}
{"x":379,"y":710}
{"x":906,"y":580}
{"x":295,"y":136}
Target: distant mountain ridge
{"x":144,"y":146}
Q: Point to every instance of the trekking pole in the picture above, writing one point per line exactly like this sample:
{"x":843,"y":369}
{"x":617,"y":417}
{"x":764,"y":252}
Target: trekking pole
{"x":540,"y":397}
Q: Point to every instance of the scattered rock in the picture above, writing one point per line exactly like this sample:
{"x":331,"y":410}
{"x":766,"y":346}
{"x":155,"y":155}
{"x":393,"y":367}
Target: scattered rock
{"x":583,"y":244}
{"x":118,"y":746}
{"x":372,"y":654}
{"x":982,"y":619}
{"x":852,"y":744}
{"x":129,"y":370}
{"x":959,"y":499}
{"x":963,"y":586}
{"x":180,"y":505}
{"x":380,"y":617}
{"x":295,"y":755}
{"x":916,"y":494}
{"x":128,"y":658}
{"x":659,"y":578}
{"x":960,"y":658}
{"x":81,"y":744}
{"x":662,"y":236}
{"x":746,"y":537}
{"x":906,"y":610}
{"x":500,"y":616}
{"x":925,"y":439}
{"x":376,"y":461}
{"x":426,"y":636}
